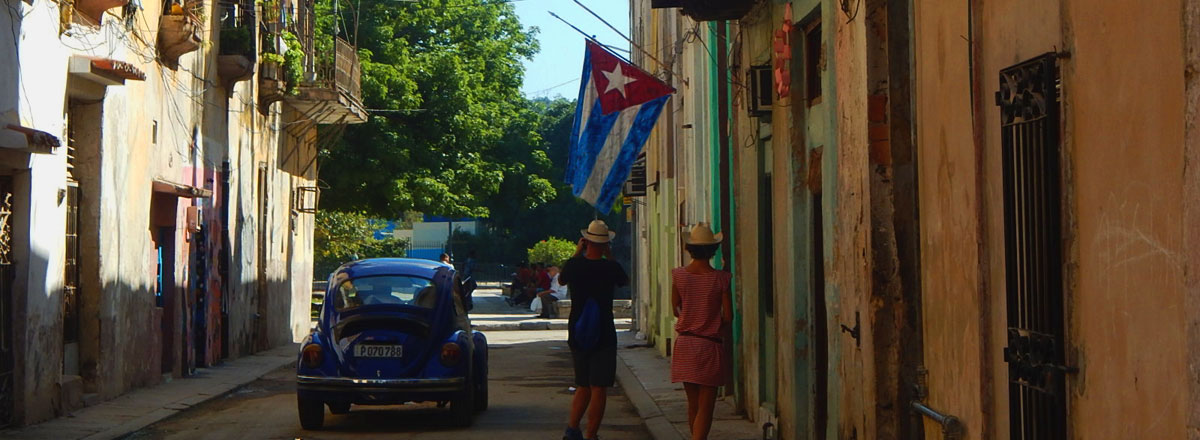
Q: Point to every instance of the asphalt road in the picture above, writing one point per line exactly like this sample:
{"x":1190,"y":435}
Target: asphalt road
{"x":530,"y":376}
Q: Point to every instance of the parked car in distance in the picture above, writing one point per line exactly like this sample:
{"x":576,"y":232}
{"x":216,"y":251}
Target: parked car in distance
{"x":392,"y":331}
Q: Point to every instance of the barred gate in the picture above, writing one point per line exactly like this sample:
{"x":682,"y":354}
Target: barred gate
{"x":1031,"y":148}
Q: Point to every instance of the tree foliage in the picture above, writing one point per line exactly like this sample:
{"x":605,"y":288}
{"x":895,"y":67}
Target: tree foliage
{"x":450,"y":126}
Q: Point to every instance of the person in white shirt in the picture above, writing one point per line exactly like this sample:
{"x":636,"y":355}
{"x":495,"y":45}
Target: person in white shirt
{"x":546,"y":298}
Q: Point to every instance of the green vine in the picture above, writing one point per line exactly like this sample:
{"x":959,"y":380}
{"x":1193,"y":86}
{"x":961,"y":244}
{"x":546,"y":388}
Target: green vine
{"x":293,"y":62}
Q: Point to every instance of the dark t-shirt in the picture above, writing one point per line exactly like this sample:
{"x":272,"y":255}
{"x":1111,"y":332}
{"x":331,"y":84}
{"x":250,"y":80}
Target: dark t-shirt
{"x":595,"y":279}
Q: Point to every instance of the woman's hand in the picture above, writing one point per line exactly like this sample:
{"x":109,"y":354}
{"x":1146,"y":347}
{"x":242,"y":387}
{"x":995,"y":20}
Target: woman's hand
{"x":580,"y":246}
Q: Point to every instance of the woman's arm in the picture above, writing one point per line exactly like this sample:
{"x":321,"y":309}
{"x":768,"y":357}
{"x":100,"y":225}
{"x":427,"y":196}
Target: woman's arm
{"x":726,"y":305}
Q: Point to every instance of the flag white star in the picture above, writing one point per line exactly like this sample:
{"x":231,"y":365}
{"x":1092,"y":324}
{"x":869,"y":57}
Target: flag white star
{"x":617,"y":80}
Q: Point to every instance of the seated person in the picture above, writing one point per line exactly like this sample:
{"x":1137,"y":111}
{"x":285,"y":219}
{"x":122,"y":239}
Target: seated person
{"x":553,"y":294}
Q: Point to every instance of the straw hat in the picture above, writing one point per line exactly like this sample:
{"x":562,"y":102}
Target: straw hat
{"x":597,"y":232}
{"x":701,"y":234}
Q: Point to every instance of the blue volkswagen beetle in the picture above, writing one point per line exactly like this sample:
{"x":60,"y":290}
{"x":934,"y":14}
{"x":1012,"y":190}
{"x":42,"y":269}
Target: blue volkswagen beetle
{"x":392,"y":331}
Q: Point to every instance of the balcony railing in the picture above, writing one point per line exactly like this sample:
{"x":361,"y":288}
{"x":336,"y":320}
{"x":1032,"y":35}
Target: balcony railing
{"x":239,"y":42}
{"x":342,"y":73}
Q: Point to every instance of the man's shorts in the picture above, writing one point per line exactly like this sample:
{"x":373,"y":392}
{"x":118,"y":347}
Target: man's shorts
{"x":595,"y":368}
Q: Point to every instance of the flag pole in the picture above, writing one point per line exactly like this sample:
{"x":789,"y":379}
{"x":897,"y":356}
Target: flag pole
{"x":635,"y":45}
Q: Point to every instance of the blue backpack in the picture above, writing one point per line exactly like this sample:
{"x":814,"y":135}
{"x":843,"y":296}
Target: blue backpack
{"x":587,"y":327}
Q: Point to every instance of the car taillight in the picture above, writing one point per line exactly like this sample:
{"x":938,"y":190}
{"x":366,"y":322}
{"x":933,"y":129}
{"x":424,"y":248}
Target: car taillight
{"x":451,"y":353}
{"x":312,"y":355}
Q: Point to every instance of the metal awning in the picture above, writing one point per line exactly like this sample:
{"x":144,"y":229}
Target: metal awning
{"x":179,"y":189}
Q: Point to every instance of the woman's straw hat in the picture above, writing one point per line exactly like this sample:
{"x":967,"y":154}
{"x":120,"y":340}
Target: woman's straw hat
{"x":701,"y":234}
{"x":597,"y":232}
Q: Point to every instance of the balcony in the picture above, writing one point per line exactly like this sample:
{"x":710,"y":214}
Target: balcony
{"x":708,"y":10}
{"x":179,"y":29}
{"x":239,"y":49}
{"x":331,"y":91}
{"x":94,"y":9}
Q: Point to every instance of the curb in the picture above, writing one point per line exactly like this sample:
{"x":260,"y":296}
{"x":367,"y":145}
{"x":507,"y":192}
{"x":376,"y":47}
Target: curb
{"x":656,"y":422}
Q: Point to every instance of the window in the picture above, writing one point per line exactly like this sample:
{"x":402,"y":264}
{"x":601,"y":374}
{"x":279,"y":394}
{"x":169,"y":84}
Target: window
{"x":391,"y":289}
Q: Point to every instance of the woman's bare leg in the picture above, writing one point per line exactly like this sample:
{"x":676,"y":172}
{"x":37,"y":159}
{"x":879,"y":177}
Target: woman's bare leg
{"x":706,"y":400}
{"x":579,"y":405}
{"x":691,"y":390}
{"x":596,"y":410}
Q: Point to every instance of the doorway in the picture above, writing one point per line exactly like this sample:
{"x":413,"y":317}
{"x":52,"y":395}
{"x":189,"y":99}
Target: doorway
{"x":162,"y":229}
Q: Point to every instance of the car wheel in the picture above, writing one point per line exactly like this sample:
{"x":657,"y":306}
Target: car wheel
{"x":312,"y":413}
{"x":339,"y":408}
{"x":481,"y":394}
{"x":462,"y":408}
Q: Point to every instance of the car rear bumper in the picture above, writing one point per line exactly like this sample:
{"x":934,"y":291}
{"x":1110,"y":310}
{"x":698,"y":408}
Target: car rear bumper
{"x":379,"y":391}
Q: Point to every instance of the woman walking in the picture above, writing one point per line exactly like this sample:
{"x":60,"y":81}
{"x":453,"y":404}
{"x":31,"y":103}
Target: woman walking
{"x":701,"y":301}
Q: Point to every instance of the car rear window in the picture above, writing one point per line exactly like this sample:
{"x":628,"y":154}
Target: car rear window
{"x":388,"y":289}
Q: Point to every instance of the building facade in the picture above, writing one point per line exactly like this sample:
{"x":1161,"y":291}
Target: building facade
{"x":157,"y":183}
{"x":941,"y":223}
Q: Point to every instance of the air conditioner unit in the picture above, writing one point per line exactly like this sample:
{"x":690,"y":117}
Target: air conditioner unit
{"x":762,"y":90}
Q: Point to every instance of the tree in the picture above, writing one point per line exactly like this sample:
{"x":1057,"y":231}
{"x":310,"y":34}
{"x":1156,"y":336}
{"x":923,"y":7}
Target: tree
{"x":552,"y":251}
{"x":451,"y":125}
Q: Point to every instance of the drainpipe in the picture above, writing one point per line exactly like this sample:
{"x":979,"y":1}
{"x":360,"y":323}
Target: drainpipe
{"x":952,"y":427}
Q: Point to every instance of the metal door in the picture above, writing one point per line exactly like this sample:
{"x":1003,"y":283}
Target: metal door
{"x":1029,"y":102}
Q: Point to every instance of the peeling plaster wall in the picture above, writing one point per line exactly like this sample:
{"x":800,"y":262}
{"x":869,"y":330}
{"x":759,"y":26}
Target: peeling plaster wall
{"x":948,"y":200}
{"x":200,"y":123}
{"x":1123,"y":208}
{"x":1126,"y":133}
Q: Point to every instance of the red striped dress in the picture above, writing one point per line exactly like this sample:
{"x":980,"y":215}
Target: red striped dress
{"x":699,"y":356}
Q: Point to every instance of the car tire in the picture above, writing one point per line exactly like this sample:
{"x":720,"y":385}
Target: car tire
{"x":312,"y":413}
{"x":462,"y":408}
{"x":481,"y":394}
{"x":339,"y":408}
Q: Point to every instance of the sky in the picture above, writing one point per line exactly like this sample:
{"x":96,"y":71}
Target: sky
{"x":557,"y":68}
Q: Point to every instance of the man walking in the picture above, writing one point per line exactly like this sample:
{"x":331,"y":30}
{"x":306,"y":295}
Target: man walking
{"x":592,"y":278}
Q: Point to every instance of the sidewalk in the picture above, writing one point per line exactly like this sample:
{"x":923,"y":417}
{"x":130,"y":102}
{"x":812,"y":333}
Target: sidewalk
{"x":491,"y":313}
{"x":142,"y":407}
{"x":646,"y":379}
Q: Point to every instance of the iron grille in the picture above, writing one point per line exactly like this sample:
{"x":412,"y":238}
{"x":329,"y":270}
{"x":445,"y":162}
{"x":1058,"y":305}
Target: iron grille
{"x":1030,"y":142}
{"x":7,"y":391}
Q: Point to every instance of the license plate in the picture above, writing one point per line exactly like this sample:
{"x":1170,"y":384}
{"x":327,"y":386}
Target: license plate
{"x":378,"y":351}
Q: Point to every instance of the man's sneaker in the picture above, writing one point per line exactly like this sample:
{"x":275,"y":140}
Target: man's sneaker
{"x":572,"y":434}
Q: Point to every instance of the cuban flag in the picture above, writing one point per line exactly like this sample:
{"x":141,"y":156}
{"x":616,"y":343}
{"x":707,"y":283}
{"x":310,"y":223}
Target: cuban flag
{"x":618,"y":106}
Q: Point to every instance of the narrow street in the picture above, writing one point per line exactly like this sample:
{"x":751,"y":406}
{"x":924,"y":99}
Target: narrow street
{"x":530,"y":375}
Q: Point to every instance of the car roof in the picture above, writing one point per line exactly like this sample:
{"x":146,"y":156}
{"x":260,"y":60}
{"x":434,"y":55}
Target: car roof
{"x":391,"y":266}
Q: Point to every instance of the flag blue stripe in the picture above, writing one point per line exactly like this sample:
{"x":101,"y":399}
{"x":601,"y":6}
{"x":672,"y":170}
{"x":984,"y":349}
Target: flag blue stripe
{"x":573,"y":157}
{"x":590,"y":143}
{"x":643,"y":124}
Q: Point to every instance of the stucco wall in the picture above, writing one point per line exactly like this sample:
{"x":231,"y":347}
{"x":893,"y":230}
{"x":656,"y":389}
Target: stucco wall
{"x":1125,"y":122}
